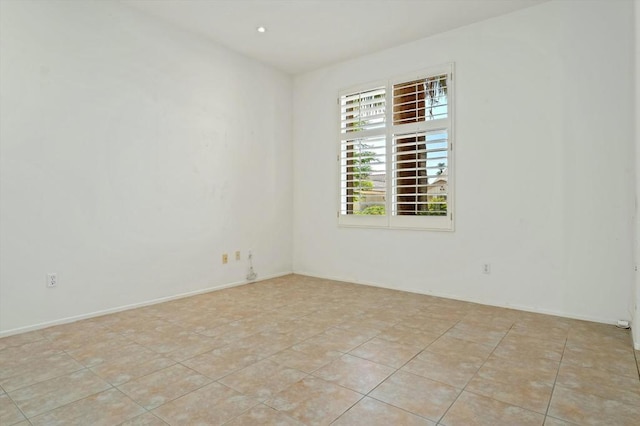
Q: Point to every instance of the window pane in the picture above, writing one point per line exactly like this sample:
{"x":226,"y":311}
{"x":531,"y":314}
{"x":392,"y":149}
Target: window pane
{"x":420,"y":100}
{"x":420,"y":173}
{"x":362,"y":110}
{"x":363,"y":176}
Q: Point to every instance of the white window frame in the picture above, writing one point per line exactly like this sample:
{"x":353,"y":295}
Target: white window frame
{"x":389,"y":220}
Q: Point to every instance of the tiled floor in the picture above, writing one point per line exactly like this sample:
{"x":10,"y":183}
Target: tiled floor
{"x":299,"y":350}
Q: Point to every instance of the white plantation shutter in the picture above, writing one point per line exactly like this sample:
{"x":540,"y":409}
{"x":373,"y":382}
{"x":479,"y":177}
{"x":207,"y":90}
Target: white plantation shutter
{"x":363,"y":174}
{"x":420,"y":173}
{"x":363,"y":111}
{"x":363,"y":155}
{"x":421,"y":99}
{"x":396,"y":153}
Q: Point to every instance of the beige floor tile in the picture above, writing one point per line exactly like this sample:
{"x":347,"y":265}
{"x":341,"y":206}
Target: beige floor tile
{"x":164,"y":342}
{"x":193,"y":344}
{"x":53,"y":393}
{"x":105,"y":408}
{"x":369,"y":412}
{"x":80,"y":334}
{"x":542,"y":331}
{"x":409,"y":336}
{"x":354,"y":373}
{"x":112,"y":320}
{"x":132,"y":366}
{"x":521,"y":347}
{"x":131,"y":323}
{"x":602,"y":343}
{"x":385,"y":352}
{"x":20,"y":339}
{"x":371,"y":323}
{"x":197,"y":320}
{"x":336,"y":315}
{"x":478,"y":334}
{"x":306,"y":362}
{"x":428,"y":324}
{"x":492,"y":317}
{"x":586,"y":409}
{"x":470,"y":409}
{"x":263,"y":415}
{"x":213,"y":404}
{"x":373,"y":320}
{"x":543,"y":321}
{"x":146,"y":419}
{"x":445,"y":311}
{"x":103,"y":351}
{"x":621,"y":362}
{"x":448,"y":345}
{"x":455,"y":370}
{"x":335,"y":340}
{"x":237,"y":329}
{"x":37,"y":370}
{"x":542,"y":370}
{"x":221,"y":362}
{"x":320,"y":345}
{"x":528,"y":394}
{"x":551,"y":421}
{"x":595,"y":329}
{"x":601,"y":383}
{"x":29,"y":352}
{"x":164,"y":385}
{"x":299,"y":328}
{"x":265,"y":344}
{"x":416,"y":394}
{"x":314,"y":401}
{"x":9,"y":412}
{"x":263,"y":379}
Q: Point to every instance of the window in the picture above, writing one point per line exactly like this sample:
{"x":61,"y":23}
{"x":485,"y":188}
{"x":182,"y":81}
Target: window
{"x":396,"y":153}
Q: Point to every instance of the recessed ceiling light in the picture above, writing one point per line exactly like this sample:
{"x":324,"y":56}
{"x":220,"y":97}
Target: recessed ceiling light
{"x":261,"y":29}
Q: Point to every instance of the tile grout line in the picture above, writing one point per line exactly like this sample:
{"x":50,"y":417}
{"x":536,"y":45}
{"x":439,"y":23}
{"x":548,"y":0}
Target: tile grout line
{"x":553,"y":388}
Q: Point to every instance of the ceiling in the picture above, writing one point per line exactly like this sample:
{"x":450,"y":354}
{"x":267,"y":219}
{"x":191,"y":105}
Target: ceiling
{"x":303,"y":35}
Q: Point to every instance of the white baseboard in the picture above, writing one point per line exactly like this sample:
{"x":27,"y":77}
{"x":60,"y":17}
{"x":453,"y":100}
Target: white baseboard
{"x":133,"y":306}
{"x":465,"y":299}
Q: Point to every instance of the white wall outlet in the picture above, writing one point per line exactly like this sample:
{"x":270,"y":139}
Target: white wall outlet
{"x":237,"y":255}
{"x":52,"y":280}
{"x":486,"y":268}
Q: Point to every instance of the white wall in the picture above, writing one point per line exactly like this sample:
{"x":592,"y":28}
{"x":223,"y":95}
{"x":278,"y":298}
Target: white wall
{"x":543,"y":105}
{"x":132,"y":156}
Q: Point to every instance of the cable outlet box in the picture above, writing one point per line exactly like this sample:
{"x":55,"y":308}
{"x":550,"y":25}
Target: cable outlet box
{"x":622,"y":324}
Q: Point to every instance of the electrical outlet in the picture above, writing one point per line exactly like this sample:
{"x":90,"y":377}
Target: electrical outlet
{"x":225,"y":258}
{"x":237,"y":255}
{"x":52,"y":280}
{"x":486,"y":268}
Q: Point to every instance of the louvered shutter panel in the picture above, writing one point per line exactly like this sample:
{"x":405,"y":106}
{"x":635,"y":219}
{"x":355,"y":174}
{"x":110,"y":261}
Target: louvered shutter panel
{"x":420,"y":147}
{"x":363,"y":150}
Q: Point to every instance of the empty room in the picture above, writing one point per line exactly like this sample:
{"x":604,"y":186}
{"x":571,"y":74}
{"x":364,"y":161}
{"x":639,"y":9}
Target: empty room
{"x":319,"y":212}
